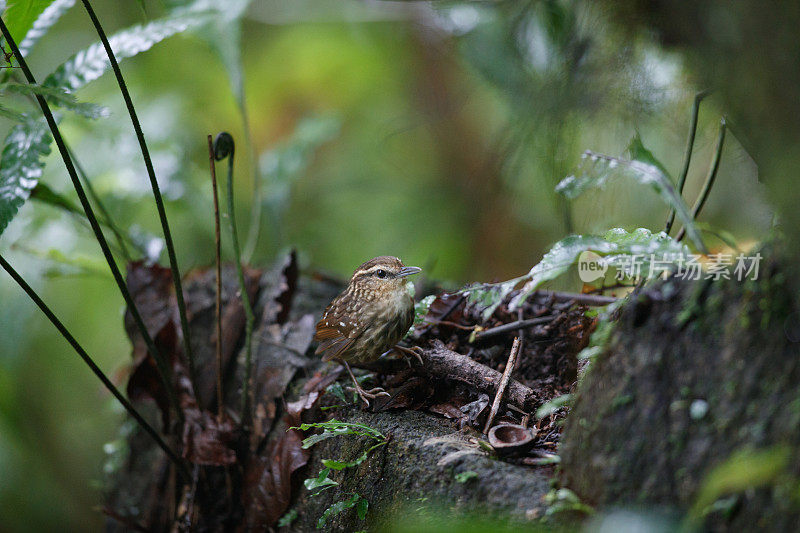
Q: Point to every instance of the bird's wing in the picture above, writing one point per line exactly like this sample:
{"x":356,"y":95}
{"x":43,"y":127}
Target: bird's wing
{"x":334,"y":348}
{"x":337,"y":332}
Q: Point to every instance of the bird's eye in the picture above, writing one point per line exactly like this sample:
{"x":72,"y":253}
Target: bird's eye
{"x":381,"y":273}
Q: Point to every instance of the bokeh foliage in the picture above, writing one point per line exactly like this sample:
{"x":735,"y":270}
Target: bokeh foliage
{"x":435,"y":132}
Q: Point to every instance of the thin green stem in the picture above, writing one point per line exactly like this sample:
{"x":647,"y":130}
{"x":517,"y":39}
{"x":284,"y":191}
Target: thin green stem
{"x":218,"y":261}
{"x":163,"y":369}
{"x":687,"y":158}
{"x":225,"y":147}
{"x":254,"y":232}
{"x":710,"y":178}
{"x":94,"y":368}
{"x":162,"y":215}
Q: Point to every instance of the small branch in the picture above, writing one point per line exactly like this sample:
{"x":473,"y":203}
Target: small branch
{"x":712,"y":175}
{"x":592,"y":300}
{"x":450,"y":324}
{"x":618,"y":285}
{"x":498,"y":397}
{"x":514,"y":326}
{"x":161,"y":364}
{"x":162,"y":214}
{"x":218,"y":258}
{"x":94,"y":368}
{"x":443,"y":363}
{"x":687,"y":158}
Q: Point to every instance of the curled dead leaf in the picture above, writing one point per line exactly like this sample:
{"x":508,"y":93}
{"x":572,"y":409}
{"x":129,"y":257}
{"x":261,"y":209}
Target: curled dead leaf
{"x":208,"y":440}
{"x":508,"y":439}
{"x":267,"y":486}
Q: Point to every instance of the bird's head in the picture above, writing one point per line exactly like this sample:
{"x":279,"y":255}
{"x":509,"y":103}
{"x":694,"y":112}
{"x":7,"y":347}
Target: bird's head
{"x":382,"y":276}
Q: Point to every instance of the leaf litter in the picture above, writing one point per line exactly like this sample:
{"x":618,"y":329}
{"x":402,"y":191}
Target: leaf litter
{"x":249,"y":471}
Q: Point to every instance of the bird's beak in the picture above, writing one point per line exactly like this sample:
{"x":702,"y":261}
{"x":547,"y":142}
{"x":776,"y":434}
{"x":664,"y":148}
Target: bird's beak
{"x":407,"y":271}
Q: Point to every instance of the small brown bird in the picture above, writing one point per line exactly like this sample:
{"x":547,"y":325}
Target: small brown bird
{"x":368,"y":318}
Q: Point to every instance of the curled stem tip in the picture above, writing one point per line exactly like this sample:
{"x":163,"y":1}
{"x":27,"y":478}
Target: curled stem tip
{"x":223,"y":146}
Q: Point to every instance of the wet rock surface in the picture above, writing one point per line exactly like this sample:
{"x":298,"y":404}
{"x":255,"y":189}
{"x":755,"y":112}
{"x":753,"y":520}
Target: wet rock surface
{"x":415,"y":471}
{"x":697,"y":375}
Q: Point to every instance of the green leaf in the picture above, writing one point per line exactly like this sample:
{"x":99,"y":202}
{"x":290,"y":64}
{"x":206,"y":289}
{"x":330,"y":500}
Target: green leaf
{"x":337,"y":465}
{"x":287,"y":519}
{"x":489,"y":296}
{"x":557,"y":260}
{"x":12,"y":114}
{"x":67,"y":265}
{"x":25,"y":146}
{"x":341,"y":465}
{"x":335,"y":428}
{"x":553,"y":405}
{"x":602,"y":331}
{"x":361,"y":429}
{"x":321,"y":482}
{"x":561,"y":500}
{"x":421,"y":309}
{"x":46,"y":195}
{"x":725,"y":236}
{"x":463,"y":477}
{"x":643,"y":167}
{"x":327,"y":434}
{"x":48,"y":17}
{"x":21,"y":166}
{"x":338,"y":507}
{"x":337,"y":390}
{"x":361,"y":508}
{"x":638,"y":152}
{"x":614,"y":244}
{"x":743,"y":470}
{"x":20,"y":15}
{"x":59,"y":97}
{"x":89,"y":64}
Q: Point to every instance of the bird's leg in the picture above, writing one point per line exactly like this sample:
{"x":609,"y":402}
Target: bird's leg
{"x":365,"y":395}
{"x":415,"y":351}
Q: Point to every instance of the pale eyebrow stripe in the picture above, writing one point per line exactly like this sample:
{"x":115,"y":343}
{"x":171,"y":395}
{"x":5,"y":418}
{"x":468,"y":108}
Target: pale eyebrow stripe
{"x":369,"y":270}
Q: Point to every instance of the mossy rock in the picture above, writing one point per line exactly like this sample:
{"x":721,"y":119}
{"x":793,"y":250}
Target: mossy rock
{"x":417,"y":473}
{"x":696,"y":373}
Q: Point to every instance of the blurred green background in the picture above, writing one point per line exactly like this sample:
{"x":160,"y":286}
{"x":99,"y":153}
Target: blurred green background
{"x":431,"y":131}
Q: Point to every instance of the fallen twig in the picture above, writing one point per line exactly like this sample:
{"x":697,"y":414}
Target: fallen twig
{"x":444,"y":363}
{"x":513,"y":326}
{"x":448,"y":323}
{"x":498,"y":397}
{"x":581,"y":299}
